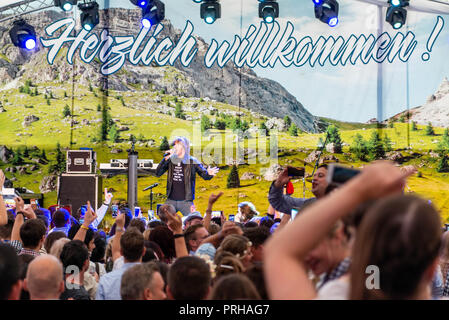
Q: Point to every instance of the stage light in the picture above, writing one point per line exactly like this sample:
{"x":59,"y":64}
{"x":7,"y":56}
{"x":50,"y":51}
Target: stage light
{"x":153,"y":13}
{"x":197,"y":1}
{"x":89,"y":15}
{"x":23,"y":35}
{"x":268,"y":10}
{"x":396,"y":16}
{"x":210,"y":11}
{"x":66,"y":5}
{"x":327,"y":11}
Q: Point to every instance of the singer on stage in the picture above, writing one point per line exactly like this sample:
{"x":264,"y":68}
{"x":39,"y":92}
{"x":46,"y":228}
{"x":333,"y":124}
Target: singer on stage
{"x":182,"y":169}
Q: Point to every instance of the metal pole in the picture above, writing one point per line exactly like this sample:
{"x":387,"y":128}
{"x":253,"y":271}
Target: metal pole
{"x":380,"y":28}
{"x":132,"y":179}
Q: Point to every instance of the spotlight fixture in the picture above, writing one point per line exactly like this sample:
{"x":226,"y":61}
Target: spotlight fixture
{"x":210,"y":11}
{"x":268,"y":10}
{"x":89,"y":15}
{"x":140,"y":3}
{"x":66,"y":5}
{"x":396,"y":14}
{"x":327,"y":11}
{"x":153,"y":13}
{"x":23,"y":35}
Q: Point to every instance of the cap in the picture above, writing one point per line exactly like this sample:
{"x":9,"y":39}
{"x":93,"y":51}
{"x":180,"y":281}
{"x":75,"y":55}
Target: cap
{"x":193,"y":215}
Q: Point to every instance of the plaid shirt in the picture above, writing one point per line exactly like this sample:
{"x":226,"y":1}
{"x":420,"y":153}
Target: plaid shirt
{"x":339,"y":271}
{"x":446,"y":286}
{"x":30,"y":252}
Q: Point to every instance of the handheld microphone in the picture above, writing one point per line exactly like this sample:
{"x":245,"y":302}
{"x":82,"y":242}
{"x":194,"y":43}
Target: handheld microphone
{"x":151,"y":187}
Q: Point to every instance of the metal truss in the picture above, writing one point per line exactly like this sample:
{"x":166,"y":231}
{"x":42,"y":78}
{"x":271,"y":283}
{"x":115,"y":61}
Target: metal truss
{"x":23,"y":7}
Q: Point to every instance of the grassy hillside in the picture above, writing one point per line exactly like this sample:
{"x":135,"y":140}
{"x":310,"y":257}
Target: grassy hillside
{"x":139,"y":114}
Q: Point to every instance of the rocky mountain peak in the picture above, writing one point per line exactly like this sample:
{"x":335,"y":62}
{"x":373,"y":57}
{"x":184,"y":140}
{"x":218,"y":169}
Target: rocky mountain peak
{"x":261,"y":95}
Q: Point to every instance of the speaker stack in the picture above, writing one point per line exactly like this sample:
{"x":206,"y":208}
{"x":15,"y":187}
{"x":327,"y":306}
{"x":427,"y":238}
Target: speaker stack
{"x":80,"y":183}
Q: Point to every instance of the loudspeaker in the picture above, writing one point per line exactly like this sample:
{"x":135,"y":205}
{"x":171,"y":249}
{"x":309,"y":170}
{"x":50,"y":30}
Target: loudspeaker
{"x":76,"y":189}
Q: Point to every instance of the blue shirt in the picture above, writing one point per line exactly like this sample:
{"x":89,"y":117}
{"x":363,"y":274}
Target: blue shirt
{"x":61,"y":229}
{"x":109,"y":285}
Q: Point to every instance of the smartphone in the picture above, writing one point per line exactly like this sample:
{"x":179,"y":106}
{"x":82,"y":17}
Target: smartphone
{"x":216,"y":214}
{"x":231,"y":217}
{"x":83,"y":210}
{"x":114,"y":209}
{"x":339,"y":175}
{"x":294,"y":213}
{"x":296,"y":172}
{"x":137,"y":212}
{"x":150,"y":215}
{"x":158,"y":207}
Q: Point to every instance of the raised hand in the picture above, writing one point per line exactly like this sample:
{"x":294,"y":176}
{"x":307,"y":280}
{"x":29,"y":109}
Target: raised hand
{"x":214,"y":197}
{"x":120,"y":220}
{"x":2,"y":179}
{"x":228,"y":228}
{"x":107,"y":196}
{"x":29,"y":212}
{"x":380,"y":179}
{"x":174,"y":222}
{"x":170,"y":152}
{"x":90,"y":215}
{"x":212,"y":171}
{"x":282,"y":179}
{"x":19,"y":204}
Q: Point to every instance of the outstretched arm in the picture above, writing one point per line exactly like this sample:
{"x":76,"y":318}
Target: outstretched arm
{"x":89,"y":217}
{"x":287,"y":249}
{"x":175,"y":225}
{"x":101,"y":212}
{"x":3,"y":212}
{"x":204,"y":173}
{"x":278,"y":200}
{"x":208,"y":217}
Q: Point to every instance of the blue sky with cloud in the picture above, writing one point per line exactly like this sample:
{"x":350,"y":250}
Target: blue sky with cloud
{"x":343,"y":92}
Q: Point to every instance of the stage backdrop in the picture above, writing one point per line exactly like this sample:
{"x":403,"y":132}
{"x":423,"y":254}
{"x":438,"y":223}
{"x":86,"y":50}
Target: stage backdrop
{"x":378,"y":92}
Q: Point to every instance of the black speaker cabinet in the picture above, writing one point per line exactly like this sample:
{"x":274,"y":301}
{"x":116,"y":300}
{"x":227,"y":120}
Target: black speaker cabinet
{"x":76,"y":189}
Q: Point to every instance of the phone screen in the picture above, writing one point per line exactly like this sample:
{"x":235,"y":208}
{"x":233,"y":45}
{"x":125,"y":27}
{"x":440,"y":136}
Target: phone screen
{"x":83,"y":210}
{"x":136,"y":212}
{"x":294,"y":213}
{"x":216,"y":214}
{"x":231,"y":217}
{"x":342,"y":174}
{"x":114,"y":208}
{"x":296,"y":172}
{"x":150,"y":215}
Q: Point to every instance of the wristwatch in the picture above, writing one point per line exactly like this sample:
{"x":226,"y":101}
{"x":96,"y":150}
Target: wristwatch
{"x":179,"y":235}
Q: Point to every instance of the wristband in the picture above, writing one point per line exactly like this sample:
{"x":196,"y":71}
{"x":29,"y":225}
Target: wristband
{"x":179,"y":235}
{"x":120,"y":229}
{"x":84,"y":227}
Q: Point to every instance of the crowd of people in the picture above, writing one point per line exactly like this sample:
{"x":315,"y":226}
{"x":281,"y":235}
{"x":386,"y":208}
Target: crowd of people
{"x":364,"y":239}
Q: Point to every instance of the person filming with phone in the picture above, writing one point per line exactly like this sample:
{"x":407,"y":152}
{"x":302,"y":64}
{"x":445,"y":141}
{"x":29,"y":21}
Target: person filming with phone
{"x":182,"y":169}
{"x":285,"y":203}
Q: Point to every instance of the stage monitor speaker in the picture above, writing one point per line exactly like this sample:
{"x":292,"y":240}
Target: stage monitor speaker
{"x":76,"y":189}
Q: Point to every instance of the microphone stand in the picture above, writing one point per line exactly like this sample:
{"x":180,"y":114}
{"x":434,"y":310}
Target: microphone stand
{"x":151,"y":196}
{"x":321,"y":152}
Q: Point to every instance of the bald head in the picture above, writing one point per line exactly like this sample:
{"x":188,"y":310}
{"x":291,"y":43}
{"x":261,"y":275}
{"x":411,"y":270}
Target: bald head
{"x":164,"y":209}
{"x":44,"y":279}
